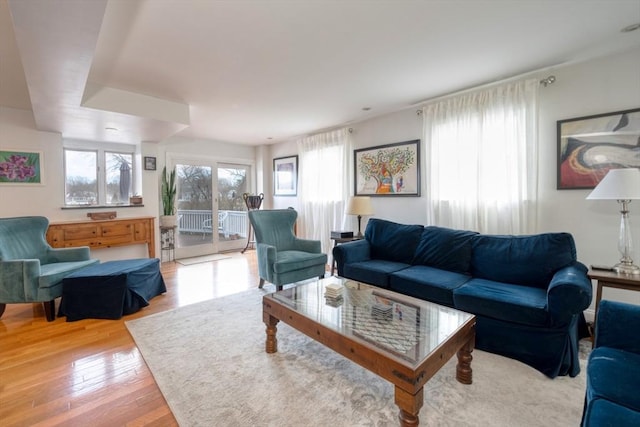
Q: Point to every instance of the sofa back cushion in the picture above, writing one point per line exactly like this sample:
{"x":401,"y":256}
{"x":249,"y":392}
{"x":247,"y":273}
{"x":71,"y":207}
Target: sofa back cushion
{"x":445,"y":249}
{"x":521,"y":260}
{"x":392,"y":241}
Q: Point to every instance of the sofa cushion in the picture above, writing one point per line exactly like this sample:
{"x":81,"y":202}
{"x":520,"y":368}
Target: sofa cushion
{"x":522,"y":260}
{"x":391,"y":241}
{"x":602,"y":412}
{"x":444,"y":248}
{"x":427,"y":283}
{"x":374,"y":272}
{"x":509,"y":302}
{"x":612,"y":374}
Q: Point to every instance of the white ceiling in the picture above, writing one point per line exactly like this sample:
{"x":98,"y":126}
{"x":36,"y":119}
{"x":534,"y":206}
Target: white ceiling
{"x":262,"y":71}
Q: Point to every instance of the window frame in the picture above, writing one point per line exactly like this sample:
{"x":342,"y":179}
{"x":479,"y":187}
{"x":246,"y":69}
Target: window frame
{"x":101,"y":150}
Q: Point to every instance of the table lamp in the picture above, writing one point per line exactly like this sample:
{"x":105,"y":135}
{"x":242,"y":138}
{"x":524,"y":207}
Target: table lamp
{"x":360,"y":205}
{"x":622,"y":185}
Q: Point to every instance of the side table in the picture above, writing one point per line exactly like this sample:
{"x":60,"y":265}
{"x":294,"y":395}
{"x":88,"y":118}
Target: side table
{"x":168,"y":242}
{"x":336,"y":242}
{"x":612,"y":279}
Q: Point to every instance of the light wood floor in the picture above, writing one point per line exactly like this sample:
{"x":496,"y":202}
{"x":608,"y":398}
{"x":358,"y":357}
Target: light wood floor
{"x":90,"y":372}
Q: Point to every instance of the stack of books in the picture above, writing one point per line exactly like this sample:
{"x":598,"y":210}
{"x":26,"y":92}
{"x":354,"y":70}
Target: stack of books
{"x":333,"y":291}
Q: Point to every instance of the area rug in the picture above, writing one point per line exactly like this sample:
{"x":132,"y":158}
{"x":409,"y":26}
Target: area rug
{"x":209,"y":362}
{"x":201,"y":259}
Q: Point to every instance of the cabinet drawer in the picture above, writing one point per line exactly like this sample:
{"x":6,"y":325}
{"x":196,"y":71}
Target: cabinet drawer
{"x":112,"y":230}
{"x":80,"y":232}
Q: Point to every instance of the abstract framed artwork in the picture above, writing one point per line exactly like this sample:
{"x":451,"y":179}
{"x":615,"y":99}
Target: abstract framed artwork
{"x":388,"y":170}
{"x":589,"y":146}
{"x":21,"y":167}
{"x":285,"y":176}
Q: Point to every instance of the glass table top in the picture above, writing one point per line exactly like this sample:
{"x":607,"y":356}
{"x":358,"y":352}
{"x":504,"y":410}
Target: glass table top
{"x":405,"y":328}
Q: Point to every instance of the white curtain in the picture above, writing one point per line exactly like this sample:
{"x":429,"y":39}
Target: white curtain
{"x":323,"y":186}
{"x":481,"y":157}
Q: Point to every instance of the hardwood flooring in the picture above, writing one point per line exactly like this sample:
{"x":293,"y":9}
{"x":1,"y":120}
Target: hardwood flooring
{"x":90,"y":372}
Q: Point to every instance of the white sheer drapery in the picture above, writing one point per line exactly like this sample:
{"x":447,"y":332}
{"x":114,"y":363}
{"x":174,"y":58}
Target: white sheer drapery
{"x":323,"y":186}
{"x":482,"y":159}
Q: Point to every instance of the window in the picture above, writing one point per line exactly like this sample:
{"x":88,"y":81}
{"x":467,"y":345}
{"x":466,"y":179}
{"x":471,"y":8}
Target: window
{"x":95,"y":177}
{"x":482,"y":159}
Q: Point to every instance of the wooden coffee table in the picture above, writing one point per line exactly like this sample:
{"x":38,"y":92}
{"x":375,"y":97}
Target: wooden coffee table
{"x":402,"y":339}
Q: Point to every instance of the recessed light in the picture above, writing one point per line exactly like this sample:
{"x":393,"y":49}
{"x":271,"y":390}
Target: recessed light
{"x":111,"y":129}
{"x":269,"y":137}
{"x":366,"y":108}
{"x":630,"y":28}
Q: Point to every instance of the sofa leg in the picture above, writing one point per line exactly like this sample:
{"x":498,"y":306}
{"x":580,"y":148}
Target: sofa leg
{"x":261,"y":283}
{"x":50,"y":310}
{"x":2,"y":308}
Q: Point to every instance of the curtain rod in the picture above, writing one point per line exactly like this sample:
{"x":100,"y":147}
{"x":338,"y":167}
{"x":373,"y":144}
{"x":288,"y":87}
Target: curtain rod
{"x":545,"y":82}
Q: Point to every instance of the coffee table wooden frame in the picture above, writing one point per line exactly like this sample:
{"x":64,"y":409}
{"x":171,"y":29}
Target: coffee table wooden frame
{"x":408,"y":382}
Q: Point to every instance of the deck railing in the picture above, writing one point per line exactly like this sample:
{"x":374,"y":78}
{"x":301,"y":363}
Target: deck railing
{"x":199,"y":221}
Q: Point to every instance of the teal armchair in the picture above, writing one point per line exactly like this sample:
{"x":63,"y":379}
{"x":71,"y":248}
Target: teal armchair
{"x":30,"y":269}
{"x":282,"y":257}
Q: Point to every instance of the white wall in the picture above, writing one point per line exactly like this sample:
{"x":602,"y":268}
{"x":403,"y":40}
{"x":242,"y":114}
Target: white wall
{"x":17,"y":131}
{"x":598,"y":86}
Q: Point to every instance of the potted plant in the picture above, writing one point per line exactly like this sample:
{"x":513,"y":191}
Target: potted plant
{"x":168,"y":194}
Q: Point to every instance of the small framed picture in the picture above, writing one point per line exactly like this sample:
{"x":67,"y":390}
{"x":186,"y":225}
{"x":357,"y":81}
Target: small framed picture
{"x":149,"y":163}
{"x":285,"y":176}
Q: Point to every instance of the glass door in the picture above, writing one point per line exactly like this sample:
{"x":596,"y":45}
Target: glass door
{"x":195,"y":209}
{"x":233,"y":223}
{"x":212,"y":215}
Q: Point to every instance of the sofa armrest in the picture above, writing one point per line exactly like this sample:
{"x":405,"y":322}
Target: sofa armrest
{"x":68,"y":254}
{"x":19,"y":280}
{"x":569,"y":292}
{"x":306,"y":245}
{"x":347,"y":253}
{"x":617,"y":326}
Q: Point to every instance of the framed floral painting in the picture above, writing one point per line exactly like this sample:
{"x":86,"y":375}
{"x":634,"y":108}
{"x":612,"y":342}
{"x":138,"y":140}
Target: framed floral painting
{"x":388,"y":170}
{"x":21,"y":167}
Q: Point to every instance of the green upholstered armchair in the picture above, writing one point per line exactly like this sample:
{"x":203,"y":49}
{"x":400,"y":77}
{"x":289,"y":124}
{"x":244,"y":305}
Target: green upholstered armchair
{"x":30,"y":269}
{"x":282,"y":257}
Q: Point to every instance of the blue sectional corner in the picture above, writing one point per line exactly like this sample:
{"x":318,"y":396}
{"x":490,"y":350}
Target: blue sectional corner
{"x":613,"y":370}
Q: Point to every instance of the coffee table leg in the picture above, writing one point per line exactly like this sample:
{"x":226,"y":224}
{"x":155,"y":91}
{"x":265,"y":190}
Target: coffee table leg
{"x":464,"y":374}
{"x":409,"y":405}
{"x":271,"y":345}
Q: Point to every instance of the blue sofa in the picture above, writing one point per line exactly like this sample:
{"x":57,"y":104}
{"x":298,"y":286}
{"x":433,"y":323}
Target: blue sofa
{"x":528,"y":292}
{"x":613,"y":371}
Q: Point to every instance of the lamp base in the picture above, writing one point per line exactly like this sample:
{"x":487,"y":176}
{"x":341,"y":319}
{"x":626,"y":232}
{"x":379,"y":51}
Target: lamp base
{"x":626,"y":268}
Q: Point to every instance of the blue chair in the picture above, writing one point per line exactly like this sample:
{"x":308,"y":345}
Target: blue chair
{"x":613,"y":370}
{"x":282,"y":257}
{"x":30,"y":269}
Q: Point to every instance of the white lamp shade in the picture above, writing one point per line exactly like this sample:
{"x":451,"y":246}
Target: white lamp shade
{"x":618,"y":184}
{"x":360,"y":205}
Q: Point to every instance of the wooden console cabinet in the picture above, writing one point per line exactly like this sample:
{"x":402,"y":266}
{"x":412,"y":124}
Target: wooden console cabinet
{"x":104,"y":233}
